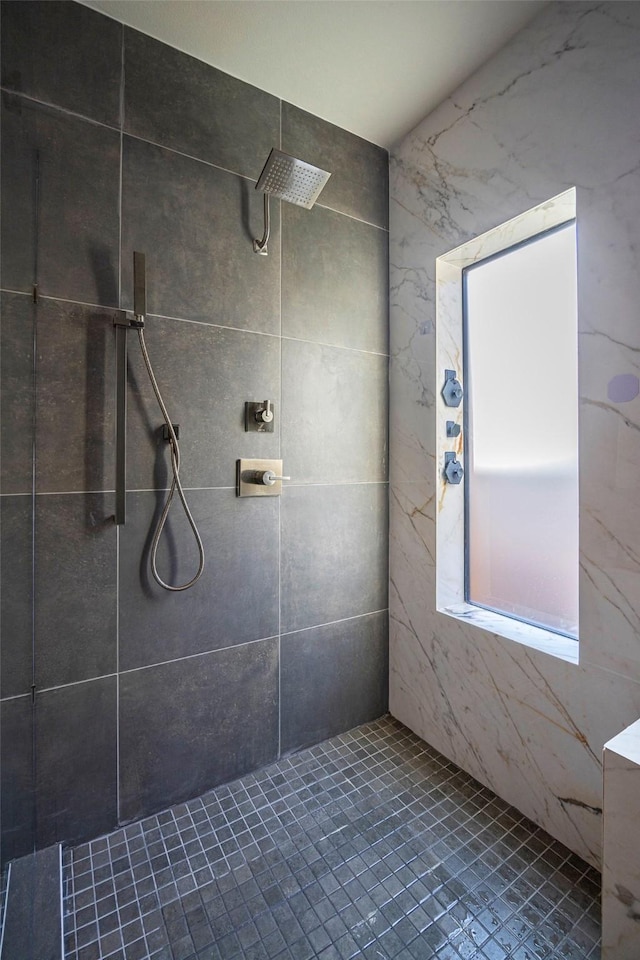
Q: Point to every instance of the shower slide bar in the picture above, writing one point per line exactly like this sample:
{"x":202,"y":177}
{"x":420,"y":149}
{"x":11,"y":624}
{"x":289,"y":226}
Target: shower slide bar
{"x":122,"y":323}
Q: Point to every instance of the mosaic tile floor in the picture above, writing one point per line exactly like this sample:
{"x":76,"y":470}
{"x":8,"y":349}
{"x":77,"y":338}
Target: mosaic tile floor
{"x":368,"y":845}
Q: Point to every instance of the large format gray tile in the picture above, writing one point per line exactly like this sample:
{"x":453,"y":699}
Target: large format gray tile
{"x":77,"y":164}
{"x":334,"y":553}
{"x":33,"y":919}
{"x":75,"y":588}
{"x":16,"y":596}
{"x":179,"y":102}
{"x":75,"y":737}
{"x":75,"y":387}
{"x":17,"y":811}
{"x":349,"y":663}
{"x":64,"y":54}
{"x":205,"y":375}
{"x":195,"y":223}
{"x":359,"y":184}
{"x":17,"y":386}
{"x":334,"y":406}
{"x":335,"y":280}
{"x":236,"y":599}
{"x":192,"y":724}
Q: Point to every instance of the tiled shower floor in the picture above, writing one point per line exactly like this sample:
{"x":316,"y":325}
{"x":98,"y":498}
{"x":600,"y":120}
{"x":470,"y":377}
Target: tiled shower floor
{"x":369,"y":845}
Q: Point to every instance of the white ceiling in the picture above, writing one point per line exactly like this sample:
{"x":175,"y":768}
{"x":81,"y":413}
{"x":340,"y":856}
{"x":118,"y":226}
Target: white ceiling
{"x":374,"y":67}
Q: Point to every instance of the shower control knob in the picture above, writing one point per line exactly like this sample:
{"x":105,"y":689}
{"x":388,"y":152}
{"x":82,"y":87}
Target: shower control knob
{"x":259,"y":478}
{"x":452,"y":469}
{"x":452,"y":389}
{"x":268,"y":477}
{"x":266,"y":414}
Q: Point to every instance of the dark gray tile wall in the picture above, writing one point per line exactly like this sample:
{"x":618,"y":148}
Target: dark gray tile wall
{"x":334,"y":553}
{"x":43,"y":58}
{"x":75,"y":618}
{"x":33,"y":925}
{"x":194,"y":222}
{"x":225,"y":368}
{"x":323,"y":387}
{"x":75,"y":384}
{"x":181,"y":729}
{"x":120,"y":698}
{"x":16,"y":777}
{"x":17,"y":393}
{"x":359,"y":184}
{"x":61,"y":190}
{"x":320,"y":300}
{"x":16,"y":596}
{"x":186,"y":105}
{"x":235,"y":600}
{"x":349,"y":663}
{"x":75,"y":760}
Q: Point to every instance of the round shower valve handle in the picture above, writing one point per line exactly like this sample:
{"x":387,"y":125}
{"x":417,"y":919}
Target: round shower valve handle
{"x":268,"y":478}
{"x":266,"y":414}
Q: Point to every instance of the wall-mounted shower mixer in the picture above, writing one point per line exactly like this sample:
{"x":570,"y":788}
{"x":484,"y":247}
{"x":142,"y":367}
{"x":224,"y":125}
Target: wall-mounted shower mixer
{"x":259,"y":478}
{"x":453,"y":472}
{"x":259,"y":416}
{"x":452,"y":389}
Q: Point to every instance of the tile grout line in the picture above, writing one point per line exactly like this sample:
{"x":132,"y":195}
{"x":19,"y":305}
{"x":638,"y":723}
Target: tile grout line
{"x":4,"y":906}
{"x":281,"y":425}
{"x":203,"y":323}
{"x":181,"y":153}
{"x":301,"y":485}
{"x":34,"y":469}
{"x":118,"y":537}
{"x":61,"y":900}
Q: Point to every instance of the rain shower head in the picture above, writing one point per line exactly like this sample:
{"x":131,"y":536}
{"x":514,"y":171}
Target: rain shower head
{"x":290,"y":179}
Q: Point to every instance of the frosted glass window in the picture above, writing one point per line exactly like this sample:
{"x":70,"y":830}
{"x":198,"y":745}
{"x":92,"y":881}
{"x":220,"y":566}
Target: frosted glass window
{"x":521,"y":482}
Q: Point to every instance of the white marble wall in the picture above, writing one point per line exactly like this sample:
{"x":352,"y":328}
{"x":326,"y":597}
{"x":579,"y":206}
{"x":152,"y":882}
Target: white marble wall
{"x":621,"y":850}
{"x":556,"y":108}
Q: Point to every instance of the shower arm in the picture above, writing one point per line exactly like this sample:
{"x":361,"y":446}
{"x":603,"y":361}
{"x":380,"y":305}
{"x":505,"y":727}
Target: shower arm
{"x":260,"y":246}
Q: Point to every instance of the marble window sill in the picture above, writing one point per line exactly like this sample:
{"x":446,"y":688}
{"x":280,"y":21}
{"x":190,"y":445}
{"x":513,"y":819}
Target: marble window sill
{"x":544,"y":640}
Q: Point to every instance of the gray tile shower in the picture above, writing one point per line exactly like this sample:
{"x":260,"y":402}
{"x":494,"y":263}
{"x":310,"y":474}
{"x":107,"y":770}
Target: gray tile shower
{"x":367,"y":845}
{"x":177,"y":745}
{"x":117,"y":698}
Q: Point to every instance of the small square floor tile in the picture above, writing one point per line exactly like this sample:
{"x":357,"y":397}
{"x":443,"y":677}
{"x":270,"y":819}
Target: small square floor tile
{"x":370,"y":843}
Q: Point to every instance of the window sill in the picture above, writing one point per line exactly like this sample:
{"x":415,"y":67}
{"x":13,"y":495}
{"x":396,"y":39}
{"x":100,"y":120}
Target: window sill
{"x":529,"y":636}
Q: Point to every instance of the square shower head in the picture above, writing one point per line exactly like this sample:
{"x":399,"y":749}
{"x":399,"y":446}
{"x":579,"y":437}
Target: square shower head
{"x":291,"y":179}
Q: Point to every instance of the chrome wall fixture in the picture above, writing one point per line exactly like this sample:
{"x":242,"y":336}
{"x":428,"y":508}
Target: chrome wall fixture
{"x":259,"y":416}
{"x":259,"y":478}
{"x":452,"y":394}
{"x":290,"y":179}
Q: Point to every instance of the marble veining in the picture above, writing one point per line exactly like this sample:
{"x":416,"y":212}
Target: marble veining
{"x":553,"y":110}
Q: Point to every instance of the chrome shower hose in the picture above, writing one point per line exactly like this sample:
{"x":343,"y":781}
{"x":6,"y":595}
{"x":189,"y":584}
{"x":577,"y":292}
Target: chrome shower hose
{"x":175,"y":485}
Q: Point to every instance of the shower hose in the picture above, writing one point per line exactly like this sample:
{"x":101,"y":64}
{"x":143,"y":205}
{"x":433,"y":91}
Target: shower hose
{"x":175,"y":485}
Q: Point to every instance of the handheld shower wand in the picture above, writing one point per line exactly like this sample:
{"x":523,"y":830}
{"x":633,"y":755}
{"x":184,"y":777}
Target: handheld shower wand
{"x":137,"y":322}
